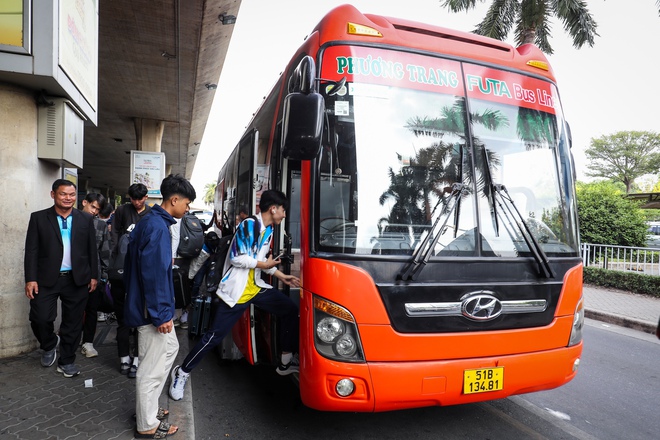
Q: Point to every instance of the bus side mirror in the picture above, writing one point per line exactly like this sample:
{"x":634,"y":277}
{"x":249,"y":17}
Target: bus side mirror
{"x":303,"y":113}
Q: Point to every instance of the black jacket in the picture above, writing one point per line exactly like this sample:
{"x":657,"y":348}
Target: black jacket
{"x":44,"y":248}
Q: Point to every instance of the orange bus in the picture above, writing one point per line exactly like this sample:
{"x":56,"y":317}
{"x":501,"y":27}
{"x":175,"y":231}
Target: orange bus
{"x":433,"y":219}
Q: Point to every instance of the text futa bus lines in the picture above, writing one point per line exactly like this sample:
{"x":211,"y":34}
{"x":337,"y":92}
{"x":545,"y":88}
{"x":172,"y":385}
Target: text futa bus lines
{"x":433,"y":218}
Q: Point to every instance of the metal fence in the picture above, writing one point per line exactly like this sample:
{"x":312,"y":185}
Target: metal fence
{"x":623,"y":258}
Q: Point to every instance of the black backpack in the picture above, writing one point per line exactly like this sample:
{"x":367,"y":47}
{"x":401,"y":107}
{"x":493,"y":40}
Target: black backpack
{"x":191,"y":237}
{"x":116,"y":269}
{"x":216,"y":267}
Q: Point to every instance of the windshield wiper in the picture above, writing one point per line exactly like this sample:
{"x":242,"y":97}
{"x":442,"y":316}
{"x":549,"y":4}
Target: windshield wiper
{"x":425,"y":248}
{"x":509,"y":207}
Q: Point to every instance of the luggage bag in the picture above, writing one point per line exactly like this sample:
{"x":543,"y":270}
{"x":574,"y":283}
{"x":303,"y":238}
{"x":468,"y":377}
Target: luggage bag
{"x":199,"y":316}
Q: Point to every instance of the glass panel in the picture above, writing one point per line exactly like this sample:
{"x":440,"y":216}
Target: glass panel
{"x":397,"y":172}
{"x":388,"y":170}
{"x":519,"y":147}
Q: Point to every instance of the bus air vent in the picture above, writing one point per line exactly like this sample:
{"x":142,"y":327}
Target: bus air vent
{"x":451,"y":37}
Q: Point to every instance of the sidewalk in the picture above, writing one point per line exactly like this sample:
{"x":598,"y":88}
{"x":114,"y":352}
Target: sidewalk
{"x":39,"y":403}
{"x":639,"y":312}
{"x":99,"y":404}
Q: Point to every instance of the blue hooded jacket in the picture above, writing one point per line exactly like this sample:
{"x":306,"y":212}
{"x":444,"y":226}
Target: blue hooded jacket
{"x":148,"y":271}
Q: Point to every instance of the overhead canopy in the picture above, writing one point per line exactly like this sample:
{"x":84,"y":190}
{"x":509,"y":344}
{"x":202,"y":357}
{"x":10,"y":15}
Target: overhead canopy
{"x":158,"y":61}
{"x":649,"y":200}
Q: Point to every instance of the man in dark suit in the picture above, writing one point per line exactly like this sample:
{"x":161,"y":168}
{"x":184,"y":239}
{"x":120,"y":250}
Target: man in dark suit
{"x":61,"y":261}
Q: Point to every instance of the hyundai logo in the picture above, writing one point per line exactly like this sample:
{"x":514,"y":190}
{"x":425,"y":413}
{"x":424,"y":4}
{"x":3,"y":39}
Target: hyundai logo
{"x":481,"y":307}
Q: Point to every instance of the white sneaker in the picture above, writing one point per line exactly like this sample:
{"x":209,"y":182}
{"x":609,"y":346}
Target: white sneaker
{"x":179,"y":379}
{"x":88,"y":350}
{"x":100,"y":317}
{"x":292,"y":367}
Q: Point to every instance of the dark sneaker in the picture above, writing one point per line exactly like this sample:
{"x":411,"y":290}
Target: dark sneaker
{"x":48,"y":357}
{"x":69,"y":370}
{"x":292,"y":367}
{"x":132,"y":372}
{"x":183,"y":325}
{"x":124,"y":368}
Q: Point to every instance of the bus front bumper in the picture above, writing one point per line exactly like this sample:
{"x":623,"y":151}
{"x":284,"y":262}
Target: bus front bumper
{"x":387,"y":386}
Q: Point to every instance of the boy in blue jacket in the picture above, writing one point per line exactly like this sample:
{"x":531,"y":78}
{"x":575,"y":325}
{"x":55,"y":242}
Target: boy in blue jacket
{"x":150,"y":303}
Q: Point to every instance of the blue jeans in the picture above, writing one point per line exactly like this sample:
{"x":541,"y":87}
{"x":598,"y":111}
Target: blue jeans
{"x":271,"y":300}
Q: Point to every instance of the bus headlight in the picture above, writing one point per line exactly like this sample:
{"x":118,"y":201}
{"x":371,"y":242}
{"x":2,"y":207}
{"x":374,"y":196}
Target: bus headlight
{"x":346,"y":346}
{"x":336,"y":333}
{"x":328,"y":329}
{"x":578,"y":323}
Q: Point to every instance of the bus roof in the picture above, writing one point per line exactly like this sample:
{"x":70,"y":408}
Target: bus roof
{"x":388,"y":31}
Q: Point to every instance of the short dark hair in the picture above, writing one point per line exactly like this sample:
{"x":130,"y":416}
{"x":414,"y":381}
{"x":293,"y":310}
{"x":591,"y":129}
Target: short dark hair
{"x":106,"y":210}
{"x":137,"y":191}
{"x":96,"y":197}
{"x":177,"y":184}
{"x":273,"y":197}
{"x":63,"y":182}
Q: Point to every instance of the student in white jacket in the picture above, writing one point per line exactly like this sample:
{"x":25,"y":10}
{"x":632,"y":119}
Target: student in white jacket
{"x":242,"y":285}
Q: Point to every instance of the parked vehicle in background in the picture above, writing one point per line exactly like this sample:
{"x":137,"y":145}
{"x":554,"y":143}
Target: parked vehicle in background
{"x":653,"y":236}
{"x":204,"y":216}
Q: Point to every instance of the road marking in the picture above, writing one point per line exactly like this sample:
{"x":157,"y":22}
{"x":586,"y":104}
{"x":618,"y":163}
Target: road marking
{"x":551,"y":418}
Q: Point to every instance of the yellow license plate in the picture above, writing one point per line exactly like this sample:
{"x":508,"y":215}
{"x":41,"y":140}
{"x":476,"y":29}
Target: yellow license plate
{"x":483,"y":380}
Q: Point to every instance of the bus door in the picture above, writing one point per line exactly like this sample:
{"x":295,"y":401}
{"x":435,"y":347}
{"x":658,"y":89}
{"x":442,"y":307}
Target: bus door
{"x":243,"y":332}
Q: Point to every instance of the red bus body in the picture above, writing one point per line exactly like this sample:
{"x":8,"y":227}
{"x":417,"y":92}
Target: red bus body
{"x":402,"y":367}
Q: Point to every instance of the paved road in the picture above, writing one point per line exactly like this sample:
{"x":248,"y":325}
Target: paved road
{"x":613,"y":397}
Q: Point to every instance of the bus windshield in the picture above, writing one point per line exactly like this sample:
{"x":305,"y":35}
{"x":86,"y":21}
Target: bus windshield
{"x":468,"y":172}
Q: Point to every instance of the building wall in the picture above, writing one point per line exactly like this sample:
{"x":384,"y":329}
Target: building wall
{"x":25,"y":187}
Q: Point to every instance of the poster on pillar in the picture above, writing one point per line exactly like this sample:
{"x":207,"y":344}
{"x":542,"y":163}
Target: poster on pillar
{"x":148,"y":168}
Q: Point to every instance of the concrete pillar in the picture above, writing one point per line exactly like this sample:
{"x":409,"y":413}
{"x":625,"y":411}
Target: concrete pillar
{"x":26,"y":181}
{"x":149,"y":134}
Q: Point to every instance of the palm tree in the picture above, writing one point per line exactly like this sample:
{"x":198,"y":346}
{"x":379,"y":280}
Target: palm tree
{"x":532,"y":20}
{"x":209,"y":193}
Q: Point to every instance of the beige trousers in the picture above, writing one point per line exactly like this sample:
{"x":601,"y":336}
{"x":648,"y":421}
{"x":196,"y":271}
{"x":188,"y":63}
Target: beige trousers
{"x":157,"y":354}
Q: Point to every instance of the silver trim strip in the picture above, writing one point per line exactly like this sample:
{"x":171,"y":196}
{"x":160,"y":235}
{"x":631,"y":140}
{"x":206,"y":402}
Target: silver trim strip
{"x":454,"y":308}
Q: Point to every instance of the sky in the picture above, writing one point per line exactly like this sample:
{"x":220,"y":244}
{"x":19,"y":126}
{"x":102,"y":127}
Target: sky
{"x":609,"y":88}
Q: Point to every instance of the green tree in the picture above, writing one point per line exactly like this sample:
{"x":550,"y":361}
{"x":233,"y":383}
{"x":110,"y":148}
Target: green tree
{"x":531,"y":19}
{"x":624,"y":156}
{"x":608,"y":217}
{"x":209,"y":193}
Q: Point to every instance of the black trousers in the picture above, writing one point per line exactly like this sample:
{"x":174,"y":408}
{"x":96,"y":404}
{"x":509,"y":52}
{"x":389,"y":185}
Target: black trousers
{"x":43,"y":312}
{"x":93,"y":301}
{"x":271,"y":300}
{"x":123,"y":332}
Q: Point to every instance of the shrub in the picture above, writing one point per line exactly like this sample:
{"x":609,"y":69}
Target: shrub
{"x":629,"y":281}
{"x":607,"y":217}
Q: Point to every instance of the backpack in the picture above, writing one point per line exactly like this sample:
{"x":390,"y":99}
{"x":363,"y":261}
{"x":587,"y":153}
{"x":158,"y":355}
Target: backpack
{"x":218,"y":258}
{"x":191,"y":238}
{"x":116,"y":269}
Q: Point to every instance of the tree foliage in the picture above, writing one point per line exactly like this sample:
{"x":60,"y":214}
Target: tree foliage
{"x":624,"y":156}
{"x":608,"y":217}
{"x":209,"y":193}
{"x":531,"y":19}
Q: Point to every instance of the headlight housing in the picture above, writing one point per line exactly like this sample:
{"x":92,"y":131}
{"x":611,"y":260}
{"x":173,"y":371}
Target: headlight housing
{"x":578,"y":324}
{"x":335,"y":332}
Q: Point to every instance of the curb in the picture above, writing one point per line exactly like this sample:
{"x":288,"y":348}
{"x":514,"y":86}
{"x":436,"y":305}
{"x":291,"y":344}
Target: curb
{"x":182,"y":410}
{"x":622,"y":321}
